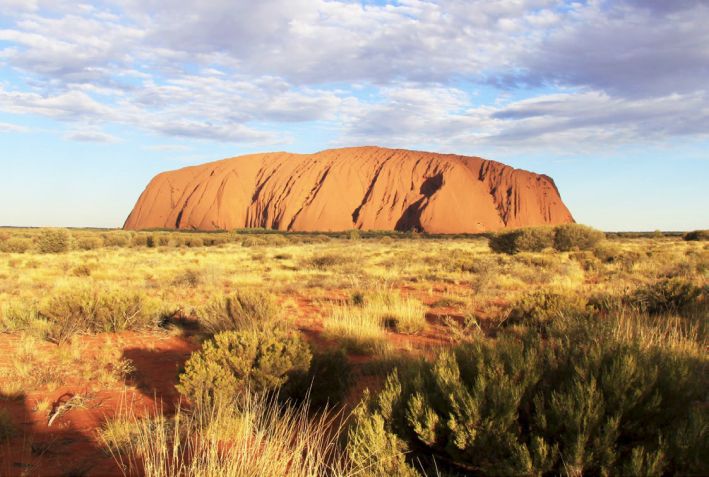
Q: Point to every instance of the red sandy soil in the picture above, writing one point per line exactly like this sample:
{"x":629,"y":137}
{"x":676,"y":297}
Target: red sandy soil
{"x":368,"y":188}
{"x":70,"y":447}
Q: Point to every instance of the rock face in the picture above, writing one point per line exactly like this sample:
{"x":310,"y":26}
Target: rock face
{"x":368,"y":188}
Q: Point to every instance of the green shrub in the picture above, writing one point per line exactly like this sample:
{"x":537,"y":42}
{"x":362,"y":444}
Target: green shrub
{"x":89,"y":243}
{"x":671,"y":295}
{"x":696,"y":235}
{"x":521,"y":240}
{"x":371,"y":443}
{"x":240,"y":310}
{"x":576,"y":237}
{"x":541,"y":308}
{"x":54,"y":241}
{"x":16,"y":245}
{"x":237,"y":362}
{"x":592,"y":406}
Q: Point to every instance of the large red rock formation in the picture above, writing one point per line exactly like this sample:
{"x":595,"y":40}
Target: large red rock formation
{"x":369,"y":188}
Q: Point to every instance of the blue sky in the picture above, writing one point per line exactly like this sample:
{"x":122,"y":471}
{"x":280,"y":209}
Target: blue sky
{"x":610,"y":98}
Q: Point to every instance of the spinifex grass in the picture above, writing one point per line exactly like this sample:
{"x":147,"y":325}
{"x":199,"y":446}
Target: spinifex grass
{"x":261,"y":438}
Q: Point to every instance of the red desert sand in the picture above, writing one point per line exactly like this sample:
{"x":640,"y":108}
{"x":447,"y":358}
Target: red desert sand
{"x":368,"y":188}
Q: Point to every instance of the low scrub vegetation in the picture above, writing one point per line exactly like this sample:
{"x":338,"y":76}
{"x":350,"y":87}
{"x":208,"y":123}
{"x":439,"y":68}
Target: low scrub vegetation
{"x":696,"y":235}
{"x":247,"y":309}
{"x":576,"y":237}
{"x":235,"y":363}
{"x":92,"y":310}
{"x":16,"y":245}
{"x":260,"y":438}
{"x":563,"y":238}
{"x":534,"y":361}
{"x":671,"y":295}
{"x":54,"y":241}
{"x":361,"y":324}
{"x":582,"y":404}
{"x":541,"y":308}
{"x":522,"y":240}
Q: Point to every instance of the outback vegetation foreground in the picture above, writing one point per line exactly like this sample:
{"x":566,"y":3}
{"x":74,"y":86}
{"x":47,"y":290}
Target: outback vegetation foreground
{"x":549,"y":351}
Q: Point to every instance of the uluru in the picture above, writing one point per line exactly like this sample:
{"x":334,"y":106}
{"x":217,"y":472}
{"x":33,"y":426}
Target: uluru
{"x":368,"y":188}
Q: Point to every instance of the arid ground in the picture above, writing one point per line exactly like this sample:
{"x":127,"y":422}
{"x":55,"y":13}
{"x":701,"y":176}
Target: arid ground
{"x":367,"y":353}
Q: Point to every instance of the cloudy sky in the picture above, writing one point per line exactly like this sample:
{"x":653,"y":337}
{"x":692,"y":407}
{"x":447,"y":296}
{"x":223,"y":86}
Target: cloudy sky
{"x":610,"y":98}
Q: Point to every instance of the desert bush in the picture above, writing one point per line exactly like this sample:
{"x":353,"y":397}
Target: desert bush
{"x":696,"y":235}
{"x":354,"y":234}
{"x":328,"y":261}
{"x":588,"y":260}
{"x":17,"y":316}
{"x":89,"y":242}
{"x":514,"y":241}
{"x":159,"y":240}
{"x":671,"y":295}
{"x":371,"y":441}
{"x":190,"y":278}
{"x":244,"y":309}
{"x":213,"y":241}
{"x":16,"y":245}
{"x":607,"y":251}
{"x":194,"y":242}
{"x":83,"y":270}
{"x":238,"y":362}
{"x":54,"y":241}
{"x":274,"y":240}
{"x":576,"y":237}
{"x":605,"y":303}
{"x":525,"y":407}
{"x":139,"y":240}
{"x":251,"y":241}
{"x":90,"y":310}
{"x":116,"y":239}
{"x":541,"y":308}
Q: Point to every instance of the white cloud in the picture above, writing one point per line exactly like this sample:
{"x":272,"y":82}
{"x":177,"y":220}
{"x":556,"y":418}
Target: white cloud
{"x":442,"y":116}
{"x":12,"y":128}
{"x":167,"y":148}
{"x":90,"y":134}
{"x":400,"y":73}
